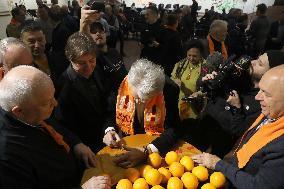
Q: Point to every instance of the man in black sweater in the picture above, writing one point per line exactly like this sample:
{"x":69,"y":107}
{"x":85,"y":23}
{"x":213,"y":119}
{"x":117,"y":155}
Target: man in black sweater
{"x":258,"y":161}
{"x":36,"y":152}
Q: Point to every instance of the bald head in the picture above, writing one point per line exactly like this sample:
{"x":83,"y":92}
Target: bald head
{"x":28,"y":93}
{"x":20,"y":85}
{"x":271,"y":92}
{"x":276,"y":75}
{"x":13,"y":53}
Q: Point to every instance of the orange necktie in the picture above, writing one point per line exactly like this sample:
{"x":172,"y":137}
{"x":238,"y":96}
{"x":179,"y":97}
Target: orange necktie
{"x":56,"y":136}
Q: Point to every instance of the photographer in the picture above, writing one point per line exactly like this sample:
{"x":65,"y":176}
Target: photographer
{"x":228,"y":114}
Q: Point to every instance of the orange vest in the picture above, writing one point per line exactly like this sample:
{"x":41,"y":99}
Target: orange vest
{"x":265,"y":134}
{"x":154,"y":112}
{"x":212,"y":49}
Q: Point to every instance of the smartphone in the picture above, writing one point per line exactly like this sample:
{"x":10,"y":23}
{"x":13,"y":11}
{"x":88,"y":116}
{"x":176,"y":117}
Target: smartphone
{"x":98,"y":6}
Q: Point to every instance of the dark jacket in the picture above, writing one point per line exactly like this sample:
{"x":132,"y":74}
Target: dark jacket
{"x":31,"y":159}
{"x":264,"y":170}
{"x":171,"y":51}
{"x":82,"y":107}
{"x":60,"y":36}
{"x":172,"y":122}
{"x":259,"y":30}
{"x":150,"y":34}
{"x":110,"y":67}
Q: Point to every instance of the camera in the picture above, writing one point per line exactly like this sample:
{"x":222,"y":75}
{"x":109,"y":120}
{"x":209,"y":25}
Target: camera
{"x":98,"y":6}
{"x":228,"y":71}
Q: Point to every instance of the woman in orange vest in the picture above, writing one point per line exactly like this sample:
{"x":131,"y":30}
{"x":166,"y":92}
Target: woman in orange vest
{"x":147,"y":102}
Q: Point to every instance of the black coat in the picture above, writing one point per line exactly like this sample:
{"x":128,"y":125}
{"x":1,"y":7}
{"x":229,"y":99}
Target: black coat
{"x":31,"y":159}
{"x":82,"y":109}
{"x":172,"y":122}
{"x":171,"y":51}
{"x":221,"y":124}
{"x":152,"y":33}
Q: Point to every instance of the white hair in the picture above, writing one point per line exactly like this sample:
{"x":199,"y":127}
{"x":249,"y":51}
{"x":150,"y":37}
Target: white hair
{"x":5,"y":44}
{"x":146,"y":77}
{"x":217,"y":24}
{"x":20,"y":89}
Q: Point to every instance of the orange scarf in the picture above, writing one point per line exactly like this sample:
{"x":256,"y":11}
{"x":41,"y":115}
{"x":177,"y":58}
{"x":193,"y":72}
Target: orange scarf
{"x":265,"y":134}
{"x":154,"y":112}
{"x":56,"y":136}
{"x":211,"y":47}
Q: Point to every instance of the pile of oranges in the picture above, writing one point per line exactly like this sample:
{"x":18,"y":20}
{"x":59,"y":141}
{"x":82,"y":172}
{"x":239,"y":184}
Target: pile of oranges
{"x":178,"y":173}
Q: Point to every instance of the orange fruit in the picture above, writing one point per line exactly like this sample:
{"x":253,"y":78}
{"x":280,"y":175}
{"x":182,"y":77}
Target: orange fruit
{"x":187,"y":162}
{"x":189,"y":180}
{"x":171,"y":157}
{"x":208,"y":186}
{"x":218,"y":179}
{"x":201,"y":173}
{"x":140,"y":184}
{"x":143,"y":169}
{"x":166,"y":174}
{"x":155,"y":160}
{"x":157,"y":187}
{"x":124,"y":184}
{"x":153,"y":177}
{"x":175,"y":183}
{"x":131,"y":174}
{"x":176,"y":169}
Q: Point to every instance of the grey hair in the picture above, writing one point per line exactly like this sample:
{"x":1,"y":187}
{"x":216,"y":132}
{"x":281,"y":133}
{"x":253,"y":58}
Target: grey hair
{"x":21,"y":90}
{"x":217,"y":24}
{"x":7,"y":42}
{"x":147,"y":78}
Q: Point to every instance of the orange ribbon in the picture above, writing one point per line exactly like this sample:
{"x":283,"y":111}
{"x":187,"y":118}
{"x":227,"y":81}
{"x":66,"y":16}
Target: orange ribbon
{"x":56,"y":136}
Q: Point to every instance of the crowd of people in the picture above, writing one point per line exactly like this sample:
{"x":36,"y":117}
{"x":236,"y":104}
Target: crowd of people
{"x":65,"y":93}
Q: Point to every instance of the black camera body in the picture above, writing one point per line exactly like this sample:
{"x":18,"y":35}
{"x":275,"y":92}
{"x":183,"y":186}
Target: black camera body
{"x":229,"y":70}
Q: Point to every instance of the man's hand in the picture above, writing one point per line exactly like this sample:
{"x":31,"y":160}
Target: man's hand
{"x":112,"y":139}
{"x":133,"y":157}
{"x":154,"y":44}
{"x":99,"y":182}
{"x":88,"y":16}
{"x":206,"y":160}
{"x":234,"y":99}
{"x":209,"y":76}
{"x":85,"y":154}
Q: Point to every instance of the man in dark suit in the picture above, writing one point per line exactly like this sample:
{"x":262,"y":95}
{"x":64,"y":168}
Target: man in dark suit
{"x":147,"y":102}
{"x":259,"y":30}
{"x":151,"y":36}
{"x":81,"y":98}
{"x":172,"y":51}
{"x":35,"y":151}
{"x":258,"y":161}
